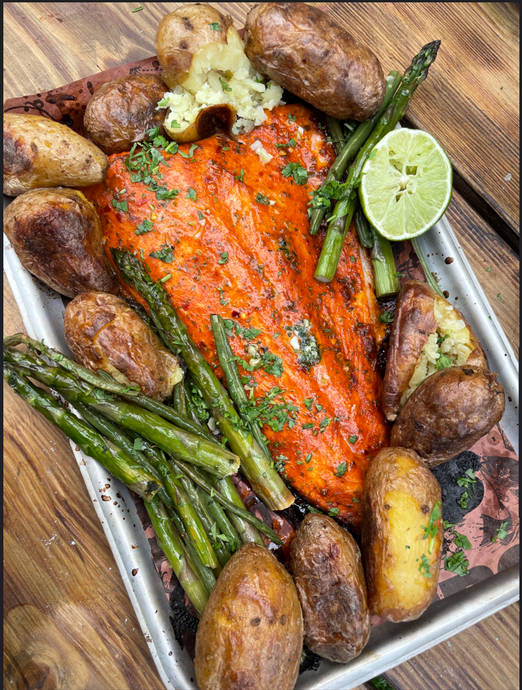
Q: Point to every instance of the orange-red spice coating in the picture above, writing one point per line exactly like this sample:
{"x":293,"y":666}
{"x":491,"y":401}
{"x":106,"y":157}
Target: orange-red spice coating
{"x":253,"y":262}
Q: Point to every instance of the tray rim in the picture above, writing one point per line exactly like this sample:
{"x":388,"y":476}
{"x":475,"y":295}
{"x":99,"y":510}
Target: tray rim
{"x":436,"y":625}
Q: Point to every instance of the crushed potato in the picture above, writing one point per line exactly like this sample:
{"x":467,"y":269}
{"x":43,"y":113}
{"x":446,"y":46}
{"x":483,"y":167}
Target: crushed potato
{"x":221,"y":74}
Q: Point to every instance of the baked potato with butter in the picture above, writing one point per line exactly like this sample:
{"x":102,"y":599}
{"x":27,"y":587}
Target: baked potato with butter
{"x":428,"y":334}
{"x":402,"y":534}
{"x":448,"y":413}
{"x":57,"y":236}
{"x":122,"y":111}
{"x":251,"y":632}
{"x":103,"y":332}
{"x":327,"y":568}
{"x":39,"y":152}
{"x":303,"y":50}
{"x":212,"y":83}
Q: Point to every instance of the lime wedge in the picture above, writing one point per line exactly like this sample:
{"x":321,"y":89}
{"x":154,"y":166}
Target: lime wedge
{"x":406,"y":184}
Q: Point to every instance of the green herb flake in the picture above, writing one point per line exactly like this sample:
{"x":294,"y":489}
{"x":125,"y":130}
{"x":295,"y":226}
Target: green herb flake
{"x":386,"y":317}
{"x":341,"y":469}
{"x":448,"y":525}
{"x":333,"y":512}
{"x":443,"y":362}
{"x":308,"y":403}
{"x":308,"y":458}
{"x":241,"y":175}
{"x":488,"y":269}
{"x":461,"y":541}
{"x":353,"y":439}
{"x":424,"y":567}
{"x":457,"y":563}
{"x":136,"y":9}
{"x":297,"y":171}
{"x":262,"y":199}
{"x":502,"y":532}
{"x":190,"y":153}
{"x":144,"y":227}
{"x":292,"y":118}
{"x":120,"y":205}
{"x":222,"y":301}
{"x":432,"y":529}
{"x":500,"y":298}
{"x":191,"y":194}
{"x":223,"y":259}
{"x":356,"y":500}
{"x":165,"y":254}
{"x":224,"y":85}
{"x":381,"y":683}
{"x":215,"y":26}
{"x":174,"y":124}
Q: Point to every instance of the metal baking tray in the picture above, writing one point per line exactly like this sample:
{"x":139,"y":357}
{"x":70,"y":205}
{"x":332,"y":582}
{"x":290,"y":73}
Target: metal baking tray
{"x":390,"y":644}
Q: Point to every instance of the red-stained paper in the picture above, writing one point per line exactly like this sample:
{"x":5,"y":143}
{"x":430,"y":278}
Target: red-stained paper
{"x":494,"y":456}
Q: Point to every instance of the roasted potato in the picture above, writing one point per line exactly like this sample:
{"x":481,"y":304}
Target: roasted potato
{"x":103,"y":332}
{"x":39,"y":152}
{"x":306,"y":52}
{"x":428,"y":333}
{"x":328,"y":573}
{"x":402,"y":534}
{"x":448,"y":413}
{"x":58,"y":238}
{"x":122,"y":111}
{"x":251,"y":632}
{"x":205,"y":65}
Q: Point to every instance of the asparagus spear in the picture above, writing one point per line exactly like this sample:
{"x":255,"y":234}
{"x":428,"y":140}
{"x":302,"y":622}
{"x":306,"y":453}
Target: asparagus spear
{"x":172,"y":546}
{"x":179,"y":402}
{"x":429,"y":277}
{"x":345,"y":207}
{"x":264,"y":479}
{"x":336,"y":134}
{"x":90,"y":441}
{"x":235,"y":388}
{"x":107,"y":383}
{"x":182,"y":444}
{"x":206,"y":575}
{"x":350,"y":150}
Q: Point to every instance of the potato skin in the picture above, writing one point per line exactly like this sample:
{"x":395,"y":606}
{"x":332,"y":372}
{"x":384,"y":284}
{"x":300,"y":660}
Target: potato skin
{"x":413,"y":323}
{"x":398,"y":498}
{"x":251,"y":632}
{"x":182,"y":33}
{"x":208,"y":121}
{"x":39,"y":152}
{"x":103,"y":332}
{"x":327,"y":568}
{"x":57,"y":236}
{"x":121,"y":111}
{"x":448,"y":413}
{"x":306,"y":52}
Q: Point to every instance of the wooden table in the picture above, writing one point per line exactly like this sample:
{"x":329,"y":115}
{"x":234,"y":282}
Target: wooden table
{"x":68,"y":621}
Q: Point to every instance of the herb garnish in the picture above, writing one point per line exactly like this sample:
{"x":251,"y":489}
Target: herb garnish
{"x":457,"y":563}
{"x":296,"y":171}
{"x":144,"y":227}
{"x":191,"y":194}
{"x":502,"y":532}
{"x":424,"y":566}
{"x":215,"y":26}
{"x":224,"y":85}
{"x":120,"y":205}
{"x":165,"y":254}
{"x":262,"y":199}
{"x":341,"y":469}
{"x":431,"y":530}
{"x":223,"y":259}
{"x":386,"y":317}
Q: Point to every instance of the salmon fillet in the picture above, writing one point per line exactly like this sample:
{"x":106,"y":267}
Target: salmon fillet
{"x":235,"y":242}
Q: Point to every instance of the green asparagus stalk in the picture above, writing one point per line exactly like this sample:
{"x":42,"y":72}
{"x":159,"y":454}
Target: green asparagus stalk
{"x":182,"y":444}
{"x":223,"y":524}
{"x":264,"y":479}
{"x":235,"y":388}
{"x":179,"y":402}
{"x":365,"y":232}
{"x":120,"y":465}
{"x":345,"y":207}
{"x":246,"y":531}
{"x":429,"y":277}
{"x":172,"y":546}
{"x":384,"y":269}
{"x":229,"y":505}
{"x":351,"y":148}
{"x":336,"y":134}
{"x":107,"y":383}
{"x":206,"y":574}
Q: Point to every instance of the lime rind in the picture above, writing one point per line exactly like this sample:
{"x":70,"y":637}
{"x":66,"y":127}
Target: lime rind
{"x":406,"y":184}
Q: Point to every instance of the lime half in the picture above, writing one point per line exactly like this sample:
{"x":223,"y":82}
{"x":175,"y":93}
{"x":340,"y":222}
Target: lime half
{"x":406,"y":184}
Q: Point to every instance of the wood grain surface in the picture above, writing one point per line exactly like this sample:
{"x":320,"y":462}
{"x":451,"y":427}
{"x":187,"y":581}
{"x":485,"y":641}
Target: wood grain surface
{"x":68,"y":622}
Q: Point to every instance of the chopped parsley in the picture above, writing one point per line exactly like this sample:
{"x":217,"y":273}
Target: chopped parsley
{"x":217,"y":537}
{"x":424,"y":567}
{"x":464,"y":500}
{"x":190,"y":153}
{"x":262,"y":199}
{"x":457,"y":563}
{"x":215,"y":26}
{"x":324,"y":423}
{"x":296,"y":171}
{"x":502,"y":532}
{"x":241,"y":175}
{"x":223,"y":259}
{"x":224,"y":85}
{"x":222,"y":301}
{"x":138,"y":9}
{"x":120,"y":205}
{"x":341,"y":469}
{"x":174,"y":123}
{"x":500,"y":298}
{"x":308,"y":458}
{"x":308,"y":403}
{"x":467,"y":482}
{"x":353,"y":439}
{"x":144,"y":227}
{"x":165,"y":254}
{"x":431,"y":530}
{"x":309,"y":353}
{"x":461,"y":541}
{"x":191,"y":194}
{"x":292,"y":118}
{"x":443,"y":361}
{"x":333,"y":512}
{"x":386,"y":317}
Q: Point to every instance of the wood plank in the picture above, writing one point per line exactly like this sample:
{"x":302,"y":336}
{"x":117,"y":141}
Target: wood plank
{"x":470,"y":101}
{"x":81,"y":617}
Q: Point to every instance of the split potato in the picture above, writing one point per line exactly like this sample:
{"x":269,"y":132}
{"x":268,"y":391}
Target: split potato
{"x":428,"y":334}
{"x":306,"y":52}
{"x":251,"y":632}
{"x":449,"y":412}
{"x":327,"y":568}
{"x":122,"y":111}
{"x":57,"y":236}
{"x":103,"y":332}
{"x":402,"y":534}
{"x":39,"y":152}
{"x":213,"y":85}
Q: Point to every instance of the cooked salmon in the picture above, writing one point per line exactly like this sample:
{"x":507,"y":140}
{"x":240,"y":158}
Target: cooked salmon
{"x":233,"y":239}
